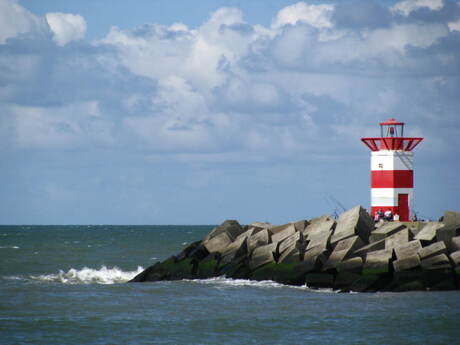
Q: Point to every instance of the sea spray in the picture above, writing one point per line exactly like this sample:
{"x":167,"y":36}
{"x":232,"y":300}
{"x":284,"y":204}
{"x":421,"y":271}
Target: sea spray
{"x":87,"y":275}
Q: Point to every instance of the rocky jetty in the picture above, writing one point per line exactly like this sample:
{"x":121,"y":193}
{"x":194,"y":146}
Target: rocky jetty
{"x":347,"y":254}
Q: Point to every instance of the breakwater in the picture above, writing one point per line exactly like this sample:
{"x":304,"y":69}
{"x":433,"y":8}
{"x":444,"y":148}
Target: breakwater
{"x":348,"y":254}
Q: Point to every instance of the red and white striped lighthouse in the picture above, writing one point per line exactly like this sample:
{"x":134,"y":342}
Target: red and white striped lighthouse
{"x":392,"y":174}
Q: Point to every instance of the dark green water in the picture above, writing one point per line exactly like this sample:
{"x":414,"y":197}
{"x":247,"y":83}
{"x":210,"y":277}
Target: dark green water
{"x":65,"y":285}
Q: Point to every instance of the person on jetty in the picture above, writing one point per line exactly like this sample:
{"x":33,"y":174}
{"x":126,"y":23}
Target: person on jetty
{"x":396,"y":217}
{"x":388,"y":215}
{"x":378,"y":216}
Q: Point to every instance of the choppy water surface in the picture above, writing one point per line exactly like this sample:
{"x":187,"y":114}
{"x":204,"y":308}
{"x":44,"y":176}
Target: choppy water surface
{"x":66,"y":285}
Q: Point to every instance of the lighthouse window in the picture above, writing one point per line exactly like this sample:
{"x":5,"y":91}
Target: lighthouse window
{"x":381,"y":165}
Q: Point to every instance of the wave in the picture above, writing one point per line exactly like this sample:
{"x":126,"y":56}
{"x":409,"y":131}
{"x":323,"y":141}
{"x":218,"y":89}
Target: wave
{"x":220,"y":282}
{"x":87,"y":275}
{"x":10,"y":247}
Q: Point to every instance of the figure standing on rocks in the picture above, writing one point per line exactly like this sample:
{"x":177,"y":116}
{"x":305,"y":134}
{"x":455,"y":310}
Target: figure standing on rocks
{"x":388,"y":215}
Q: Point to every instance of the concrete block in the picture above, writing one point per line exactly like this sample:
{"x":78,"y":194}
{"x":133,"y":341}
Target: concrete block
{"x":428,"y":232}
{"x":371,"y":247}
{"x":190,"y":249}
{"x":234,"y":250}
{"x":344,"y":280}
{"x":283,"y":233}
{"x":319,"y":280}
{"x":455,"y":258}
{"x":279,"y":228}
{"x":408,"y":280}
{"x":247,"y":233}
{"x":353,"y":264}
{"x":217,"y":243}
{"x":319,"y":239}
{"x":259,"y":239}
{"x":207,"y":267}
{"x":436,"y":261}
{"x":312,"y":261}
{"x":355,"y":221}
{"x":385,"y":230}
{"x":264,"y":249}
{"x":290,"y":242}
{"x":407,"y":250}
{"x":397,"y":239}
{"x":408,"y":262}
{"x":451,"y":218}
{"x":414,"y":227}
{"x":366,"y":283}
{"x":432,"y":250}
{"x":261,"y":256}
{"x":320,"y":225}
{"x":377,"y":262}
{"x":342,"y":251}
{"x":315,"y":251}
{"x":455,"y":244}
{"x":439,"y":277}
{"x":290,"y":256}
{"x":300,"y":225}
{"x":261,"y":225}
{"x":446,"y":234}
{"x":280,"y":273}
{"x":231,"y":227}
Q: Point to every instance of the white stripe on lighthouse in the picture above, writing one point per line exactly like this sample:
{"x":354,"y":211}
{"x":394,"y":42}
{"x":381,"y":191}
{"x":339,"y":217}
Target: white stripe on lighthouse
{"x":388,"y":196}
{"x":392,"y":160}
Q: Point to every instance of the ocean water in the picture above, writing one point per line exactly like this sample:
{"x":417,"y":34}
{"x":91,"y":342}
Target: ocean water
{"x":66,"y":285}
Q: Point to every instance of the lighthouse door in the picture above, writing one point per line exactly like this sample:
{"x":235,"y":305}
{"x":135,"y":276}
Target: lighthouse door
{"x":403,"y":203}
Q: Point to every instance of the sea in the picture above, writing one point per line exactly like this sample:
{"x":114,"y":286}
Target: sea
{"x":68,"y":285}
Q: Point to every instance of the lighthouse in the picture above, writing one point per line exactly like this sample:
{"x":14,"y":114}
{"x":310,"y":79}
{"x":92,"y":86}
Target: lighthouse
{"x":392,"y":173}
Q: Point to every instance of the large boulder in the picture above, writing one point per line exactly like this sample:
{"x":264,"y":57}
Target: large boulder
{"x":428,"y":232}
{"x":398,"y":239}
{"x":280,"y":233}
{"x":386,"y":230}
{"x":217,"y":243}
{"x":378,"y":262}
{"x":355,"y":221}
{"x":342,"y":251}
{"x":262,"y":255}
{"x":260,"y":238}
{"x":451,"y":218}
{"x":432,"y":250}
{"x":231,"y":227}
{"x":407,"y":256}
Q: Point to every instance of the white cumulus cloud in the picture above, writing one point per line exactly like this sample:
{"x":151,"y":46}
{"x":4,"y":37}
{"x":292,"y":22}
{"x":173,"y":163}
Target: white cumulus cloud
{"x":15,"y":19}
{"x":318,"y":16}
{"x":406,"y":7}
{"x":66,"y":27}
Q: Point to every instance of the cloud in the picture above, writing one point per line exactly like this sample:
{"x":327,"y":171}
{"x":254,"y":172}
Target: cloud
{"x":66,"y":27}
{"x":230,"y":87}
{"x":15,"y":19}
{"x":406,"y":7}
{"x":318,"y":16}
{"x":271,"y":109}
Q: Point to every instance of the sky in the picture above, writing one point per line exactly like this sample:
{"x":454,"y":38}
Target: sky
{"x":181,"y":112}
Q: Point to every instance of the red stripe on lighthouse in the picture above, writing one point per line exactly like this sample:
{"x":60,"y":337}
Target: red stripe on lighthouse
{"x":392,"y":179}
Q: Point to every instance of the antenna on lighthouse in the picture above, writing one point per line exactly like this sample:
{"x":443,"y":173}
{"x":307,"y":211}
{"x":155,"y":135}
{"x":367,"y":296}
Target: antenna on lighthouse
{"x":392,"y":174}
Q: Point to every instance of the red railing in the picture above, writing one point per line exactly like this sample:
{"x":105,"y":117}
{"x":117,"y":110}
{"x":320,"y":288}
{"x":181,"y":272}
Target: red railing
{"x":391,"y":143}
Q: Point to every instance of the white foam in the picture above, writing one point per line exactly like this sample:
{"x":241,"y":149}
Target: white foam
{"x":220,"y":282}
{"x":87,"y":275}
{"x":10,"y":247}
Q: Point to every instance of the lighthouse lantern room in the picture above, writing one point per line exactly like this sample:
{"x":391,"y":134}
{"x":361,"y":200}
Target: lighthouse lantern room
{"x":392,"y":174}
